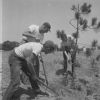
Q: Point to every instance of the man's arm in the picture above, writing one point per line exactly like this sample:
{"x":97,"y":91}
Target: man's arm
{"x":31,"y":64}
{"x":66,"y":55}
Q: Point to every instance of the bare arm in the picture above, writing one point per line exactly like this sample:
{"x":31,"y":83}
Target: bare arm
{"x":66,"y":55}
{"x":31,"y":64}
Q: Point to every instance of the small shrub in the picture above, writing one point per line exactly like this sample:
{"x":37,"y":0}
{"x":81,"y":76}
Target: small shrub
{"x":90,"y":90}
{"x":94,"y":67}
{"x":98,"y":57}
{"x":77,"y":87}
{"x":83,"y":81}
{"x":96,"y":97}
{"x":88,"y":52}
{"x":77,"y":64}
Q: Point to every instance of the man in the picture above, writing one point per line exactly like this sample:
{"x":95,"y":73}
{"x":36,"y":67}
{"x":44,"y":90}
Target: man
{"x":36,"y":33}
{"x":66,"y":56}
{"x":67,"y":46}
{"x":17,"y":62}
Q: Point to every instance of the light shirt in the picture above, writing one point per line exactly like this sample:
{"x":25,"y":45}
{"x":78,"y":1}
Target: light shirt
{"x":70,"y":36}
{"x":33,"y":32}
{"x":33,"y":28}
{"x":26,"y":50}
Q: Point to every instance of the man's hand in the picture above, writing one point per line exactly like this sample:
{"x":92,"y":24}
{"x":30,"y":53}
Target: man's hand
{"x":41,"y":60}
{"x":40,"y":57}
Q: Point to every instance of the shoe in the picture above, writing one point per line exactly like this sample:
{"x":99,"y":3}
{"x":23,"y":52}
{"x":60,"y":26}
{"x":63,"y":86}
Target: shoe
{"x":39,"y":92}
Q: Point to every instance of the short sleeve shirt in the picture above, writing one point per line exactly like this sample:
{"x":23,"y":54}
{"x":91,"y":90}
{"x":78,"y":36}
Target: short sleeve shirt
{"x":25,"y":50}
{"x":33,"y":31}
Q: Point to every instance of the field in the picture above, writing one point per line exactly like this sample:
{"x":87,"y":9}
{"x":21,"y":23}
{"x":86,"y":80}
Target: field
{"x":87,"y":82}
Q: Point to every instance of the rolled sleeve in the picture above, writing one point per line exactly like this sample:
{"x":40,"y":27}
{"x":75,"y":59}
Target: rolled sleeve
{"x":38,"y":49}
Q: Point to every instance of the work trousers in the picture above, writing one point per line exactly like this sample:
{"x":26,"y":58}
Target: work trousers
{"x":16,"y":64}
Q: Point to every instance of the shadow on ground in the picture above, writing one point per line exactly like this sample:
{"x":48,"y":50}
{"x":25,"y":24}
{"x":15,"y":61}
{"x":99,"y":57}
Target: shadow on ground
{"x":60,"y":72}
{"x":28,"y":92}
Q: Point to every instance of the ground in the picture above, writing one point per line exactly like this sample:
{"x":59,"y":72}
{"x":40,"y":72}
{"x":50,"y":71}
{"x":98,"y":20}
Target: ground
{"x":87,"y":82}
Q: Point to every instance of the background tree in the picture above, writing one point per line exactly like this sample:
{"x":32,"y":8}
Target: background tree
{"x":61,"y":35}
{"x":65,"y":40}
{"x":50,"y":46}
{"x":88,"y":52}
{"x":8,"y":45}
{"x":81,"y":24}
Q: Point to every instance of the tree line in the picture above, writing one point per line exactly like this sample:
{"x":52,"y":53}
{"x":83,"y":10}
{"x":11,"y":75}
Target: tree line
{"x":9,"y":45}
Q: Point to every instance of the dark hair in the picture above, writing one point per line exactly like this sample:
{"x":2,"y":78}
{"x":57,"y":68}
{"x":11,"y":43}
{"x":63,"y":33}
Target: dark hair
{"x":48,"y":48}
{"x":46,"y":24}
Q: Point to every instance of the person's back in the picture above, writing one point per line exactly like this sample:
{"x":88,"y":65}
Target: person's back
{"x":32,"y":34}
{"x":25,"y":50}
{"x":35,"y":33}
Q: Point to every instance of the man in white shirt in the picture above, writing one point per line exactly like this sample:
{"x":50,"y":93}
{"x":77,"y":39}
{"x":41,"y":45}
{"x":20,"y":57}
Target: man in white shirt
{"x":36,"y":33}
{"x":67,"y":47}
{"x":17,"y":62}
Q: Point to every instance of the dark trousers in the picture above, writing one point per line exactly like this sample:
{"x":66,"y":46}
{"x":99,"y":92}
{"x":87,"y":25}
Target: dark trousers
{"x":65,"y":62}
{"x":17,"y":64}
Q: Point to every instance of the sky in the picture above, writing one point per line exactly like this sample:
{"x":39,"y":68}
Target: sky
{"x":17,"y":15}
